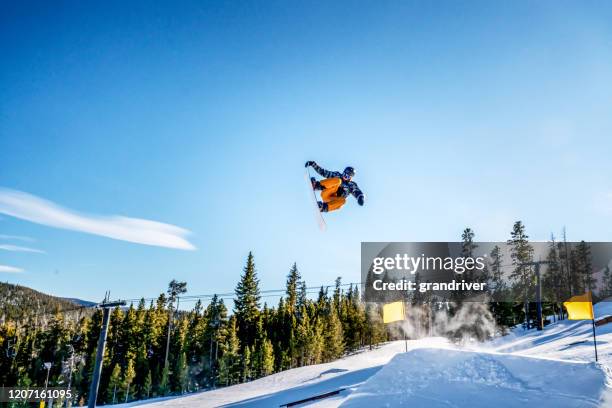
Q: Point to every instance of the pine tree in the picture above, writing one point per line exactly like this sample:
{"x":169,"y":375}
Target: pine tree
{"x":195,"y":342}
{"x":302,"y":300}
{"x":354,"y":313}
{"x":498,"y":283}
{"x":333,"y":337}
{"x":565,"y":263}
{"x":216,"y":323}
{"x":246,"y":303}
{"x":177,"y":348}
{"x":337,"y":293}
{"x":293,"y":279}
{"x":129,"y":333}
{"x":470,"y":275}
{"x":468,"y":246}
{"x":257,"y":349}
{"x":267,"y":358}
{"x":521,"y":252}
{"x":322,"y":300}
{"x":246,"y":364}
{"x":553,"y":280}
{"x":303,"y":336}
{"x":139,"y":344}
{"x":164,"y":383}
{"x":498,"y":289}
{"x":375,"y":331}
{"x":606,"y":290}
{"x":175,"y":289}
{"x":148,"y":383}
{"x":230,"y":367}
{"x":315,"y":349}
{"x":114,"y":383}
{"x":585,"y":266}
{"x":128,"y":377}
{"x":182,"y":372}
{"x":115,"y":345}
{"x":575,"y":267}
{"x":154,"y":344}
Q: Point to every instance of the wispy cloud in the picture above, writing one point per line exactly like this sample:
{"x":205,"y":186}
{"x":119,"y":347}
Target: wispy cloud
{"x":16,"y":238}
{"x":10,"y":269}
{"x":38,"y":210}
{"x":17,"y":248}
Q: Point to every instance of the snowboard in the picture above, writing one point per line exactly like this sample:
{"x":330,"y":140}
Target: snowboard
{"x":313,"y":195}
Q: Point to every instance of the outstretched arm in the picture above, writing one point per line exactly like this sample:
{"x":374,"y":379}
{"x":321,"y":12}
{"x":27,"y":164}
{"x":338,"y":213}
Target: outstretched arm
{"x":321,"y":170}
{"x":357,"y":193}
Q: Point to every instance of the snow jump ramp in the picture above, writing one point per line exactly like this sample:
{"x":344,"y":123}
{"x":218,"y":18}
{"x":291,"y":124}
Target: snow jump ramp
{"x":436,"y":378}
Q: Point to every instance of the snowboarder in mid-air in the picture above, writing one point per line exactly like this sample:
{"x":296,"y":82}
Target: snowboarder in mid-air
{"x":335,"y":187}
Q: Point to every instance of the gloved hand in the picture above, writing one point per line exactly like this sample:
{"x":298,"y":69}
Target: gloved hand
{"x":361,"y":200}
{"x":310,"y":163}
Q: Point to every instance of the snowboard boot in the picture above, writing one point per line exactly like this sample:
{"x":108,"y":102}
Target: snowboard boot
{"x":315,"y":184}
{"x":323,"y":207}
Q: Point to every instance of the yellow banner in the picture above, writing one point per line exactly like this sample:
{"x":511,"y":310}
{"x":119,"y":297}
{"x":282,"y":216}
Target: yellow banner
{"x":394,"y":312}
{"x":580,"y":307}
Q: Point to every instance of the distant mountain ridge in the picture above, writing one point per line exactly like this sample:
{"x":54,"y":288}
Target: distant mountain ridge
{"x":20,"y":303}
{"x":80,"y":302}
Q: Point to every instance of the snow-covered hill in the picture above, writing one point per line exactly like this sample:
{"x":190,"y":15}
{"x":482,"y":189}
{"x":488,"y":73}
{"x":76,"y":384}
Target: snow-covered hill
{"x":551,"y":368}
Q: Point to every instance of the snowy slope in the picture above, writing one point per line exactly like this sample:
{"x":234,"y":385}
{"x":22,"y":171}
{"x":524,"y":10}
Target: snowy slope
{"x":297,"y":383}
{"x":551,"y":368}
{"x":568,"y":340}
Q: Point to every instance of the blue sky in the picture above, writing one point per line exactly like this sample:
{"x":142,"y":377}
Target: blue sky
{"x":201,"y":115}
